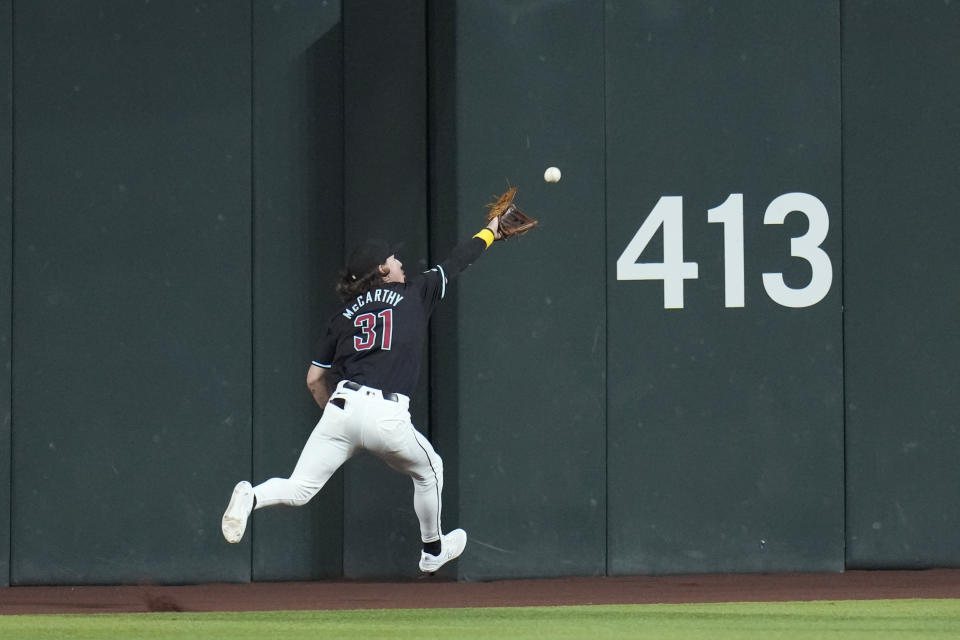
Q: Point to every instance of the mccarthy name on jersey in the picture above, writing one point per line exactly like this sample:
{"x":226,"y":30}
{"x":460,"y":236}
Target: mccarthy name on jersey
{"x":376,"y":295}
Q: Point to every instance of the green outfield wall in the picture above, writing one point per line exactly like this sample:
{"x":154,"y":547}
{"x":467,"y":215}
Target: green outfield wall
{"x":728,"y":347}
{"x":530,"y":409}
{"x":725,"y":424}
{"x":132,"y":296}
{"x":901,"y":193}
{"x":297,"y":174}
{"x":385,"y":187}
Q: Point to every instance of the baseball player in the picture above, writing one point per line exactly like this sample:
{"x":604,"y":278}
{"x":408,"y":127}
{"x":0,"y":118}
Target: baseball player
{"x":374,"y":343}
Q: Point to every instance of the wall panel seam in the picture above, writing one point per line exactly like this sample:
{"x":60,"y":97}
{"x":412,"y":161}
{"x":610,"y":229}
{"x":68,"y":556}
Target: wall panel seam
{"x":843,"y":287}
{"x":606,"y":284}
{"x":343,"y":239}
{"x":428,"y":169}
{"x":11,"y":124}
{"x":253,"y":266}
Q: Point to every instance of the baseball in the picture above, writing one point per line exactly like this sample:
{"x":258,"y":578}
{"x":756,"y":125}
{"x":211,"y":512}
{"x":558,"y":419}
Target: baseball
{"x":552,"y":174}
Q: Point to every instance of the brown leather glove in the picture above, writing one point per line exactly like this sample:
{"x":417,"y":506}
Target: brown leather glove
{"x":513,"y":221}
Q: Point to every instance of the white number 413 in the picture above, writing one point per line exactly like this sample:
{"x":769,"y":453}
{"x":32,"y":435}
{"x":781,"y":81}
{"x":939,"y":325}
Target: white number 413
{"x":668,"y":213}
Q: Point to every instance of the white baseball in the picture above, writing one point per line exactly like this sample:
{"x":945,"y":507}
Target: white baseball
{"x":552,"y":174}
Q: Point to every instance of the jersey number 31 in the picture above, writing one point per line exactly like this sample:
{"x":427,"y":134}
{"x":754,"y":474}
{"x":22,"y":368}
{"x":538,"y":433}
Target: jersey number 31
{"x":367,"y":323}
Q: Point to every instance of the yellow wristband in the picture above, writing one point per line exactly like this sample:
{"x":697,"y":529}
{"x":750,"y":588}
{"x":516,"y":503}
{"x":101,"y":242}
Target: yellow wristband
{"x":486,"y":235}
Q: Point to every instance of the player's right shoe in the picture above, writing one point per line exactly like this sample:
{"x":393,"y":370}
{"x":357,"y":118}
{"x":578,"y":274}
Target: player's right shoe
{"x":451,"y":546}
{"x":234,"y":521}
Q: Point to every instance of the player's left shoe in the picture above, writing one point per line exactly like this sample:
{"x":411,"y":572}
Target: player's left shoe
{"x":234,"y":521}
{"x":451,"y":546}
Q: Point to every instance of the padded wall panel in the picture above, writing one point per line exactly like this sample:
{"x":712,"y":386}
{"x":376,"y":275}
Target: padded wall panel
{"x":385,"y":196}
{"x":725,"y":424}
{"x":298,"y":230}
{"x":527,"y":392}
{"x":901,"y":186}
{"x":132,"y":245}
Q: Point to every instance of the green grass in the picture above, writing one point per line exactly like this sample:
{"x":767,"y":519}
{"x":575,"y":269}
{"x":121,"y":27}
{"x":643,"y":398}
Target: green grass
{"x":873,"y":619}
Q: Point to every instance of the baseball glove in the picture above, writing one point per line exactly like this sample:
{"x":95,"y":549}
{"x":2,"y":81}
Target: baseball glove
{"x":513,"y":221}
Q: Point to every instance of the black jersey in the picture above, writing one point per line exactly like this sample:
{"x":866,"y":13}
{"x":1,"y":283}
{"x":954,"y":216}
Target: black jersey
{"x":377,"y":338}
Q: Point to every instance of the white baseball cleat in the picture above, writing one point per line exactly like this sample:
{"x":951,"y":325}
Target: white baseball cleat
{"x":451,"y":546}
{"x":234,"y":521}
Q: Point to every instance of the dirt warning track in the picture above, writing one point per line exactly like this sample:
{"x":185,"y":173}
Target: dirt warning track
{"x":435,"y":592}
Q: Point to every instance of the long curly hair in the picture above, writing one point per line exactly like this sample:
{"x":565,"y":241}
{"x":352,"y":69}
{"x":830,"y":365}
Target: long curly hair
{"x":349,"y":287}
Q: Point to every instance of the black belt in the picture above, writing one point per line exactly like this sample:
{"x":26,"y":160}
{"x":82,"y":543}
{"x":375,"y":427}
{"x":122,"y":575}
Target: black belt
{"x":356,"y":386}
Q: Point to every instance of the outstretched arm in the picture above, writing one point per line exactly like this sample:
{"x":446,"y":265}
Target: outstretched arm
{"x":465,"y":253}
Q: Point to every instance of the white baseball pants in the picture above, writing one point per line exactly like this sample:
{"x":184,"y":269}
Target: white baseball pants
{"x":366,"y":421}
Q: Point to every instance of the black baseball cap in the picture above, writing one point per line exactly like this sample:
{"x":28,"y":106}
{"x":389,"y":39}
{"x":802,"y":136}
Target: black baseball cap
{"x":368,"y":256}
